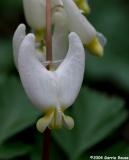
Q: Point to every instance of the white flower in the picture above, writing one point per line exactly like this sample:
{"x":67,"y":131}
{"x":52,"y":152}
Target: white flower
{"x":51,"y":91}
{"x":79,"y":24}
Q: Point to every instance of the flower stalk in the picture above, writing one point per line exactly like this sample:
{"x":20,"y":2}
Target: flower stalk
{"x":48,"y":33}
{"x":47,"y":133}
{"x":46,"y":144}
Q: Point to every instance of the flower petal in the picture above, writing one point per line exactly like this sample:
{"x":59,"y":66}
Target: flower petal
{"x":52,"y":89}
{"x":39,"y":83}
{"x":17,"y":40}
{"x":67,"y":121}
{"x":60,"y":35}
{"x":78,"y":23}
{"x":44,"y":122}
{"x":35,"y":13}
{"x":83,"y":5}
{"x":57,"y":119}
{"x":70,"y":72}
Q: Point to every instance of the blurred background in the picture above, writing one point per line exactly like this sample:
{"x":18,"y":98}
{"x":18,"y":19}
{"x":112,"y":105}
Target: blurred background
{"x":100,"y":111}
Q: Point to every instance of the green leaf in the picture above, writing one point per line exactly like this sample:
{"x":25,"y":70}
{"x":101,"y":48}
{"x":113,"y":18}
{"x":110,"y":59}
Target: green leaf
{"x":6,"y":61}
{"x":3,"y":78}
{"x":96,"y":117}
{"x":13,"y":6}
{"x":120,"y":148}
{"x":36,"y":152}
{"x":11,"y":3}
{"x":110,"y":18}
{"x":16,"y":112}
{"x":15,"y":149}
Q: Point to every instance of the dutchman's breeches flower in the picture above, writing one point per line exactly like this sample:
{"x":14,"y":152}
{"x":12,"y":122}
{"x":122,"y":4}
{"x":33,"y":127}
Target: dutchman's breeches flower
{"x":79,"y":24}
{"x":51,"y":91}
{"x":56,"y":89}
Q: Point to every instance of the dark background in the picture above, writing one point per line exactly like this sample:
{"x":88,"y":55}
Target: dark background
{"x":100,"y":111}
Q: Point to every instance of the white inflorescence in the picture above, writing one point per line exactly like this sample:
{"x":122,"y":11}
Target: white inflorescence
{"x":54,"y":90}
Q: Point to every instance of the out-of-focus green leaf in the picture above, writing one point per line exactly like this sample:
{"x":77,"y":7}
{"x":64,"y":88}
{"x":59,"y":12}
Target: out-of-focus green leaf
{"x":111,"y":18}
{"x":6,"y":61}
{"x":11,"y":150}
{"x":96,"y":116}
{"x":120,"y":148}
{"x":8,"y":3}
{"x":14,"y":6}
{"x":36,"y":152}
{"x":16,"y":112}
{"x":3,"y":78}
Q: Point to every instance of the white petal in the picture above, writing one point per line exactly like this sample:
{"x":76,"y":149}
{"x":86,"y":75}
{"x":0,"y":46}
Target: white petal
{"x":60,"y":35}
{"x":67,"y":121}
{"x":39,"y":83}
{"x":70,"y":72}
{"x":78,"y":23}
{"x":35,"y":13}
{"x":44,"y":122}
{"x":47,"y":89}
{"x":17,"y":40}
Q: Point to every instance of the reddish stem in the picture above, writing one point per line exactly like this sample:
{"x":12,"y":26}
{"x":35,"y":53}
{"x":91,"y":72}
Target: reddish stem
{"x":46,"y":145}
{"x":48,"y":32}
{"x":47,"y":133}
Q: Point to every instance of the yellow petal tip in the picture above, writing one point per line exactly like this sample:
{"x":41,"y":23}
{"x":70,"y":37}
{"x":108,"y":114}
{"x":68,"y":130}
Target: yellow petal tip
{"x":95,"y":47}
{"x":84,"y":6}
{"x":54,"y":119}
{"x":44,"y":122}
